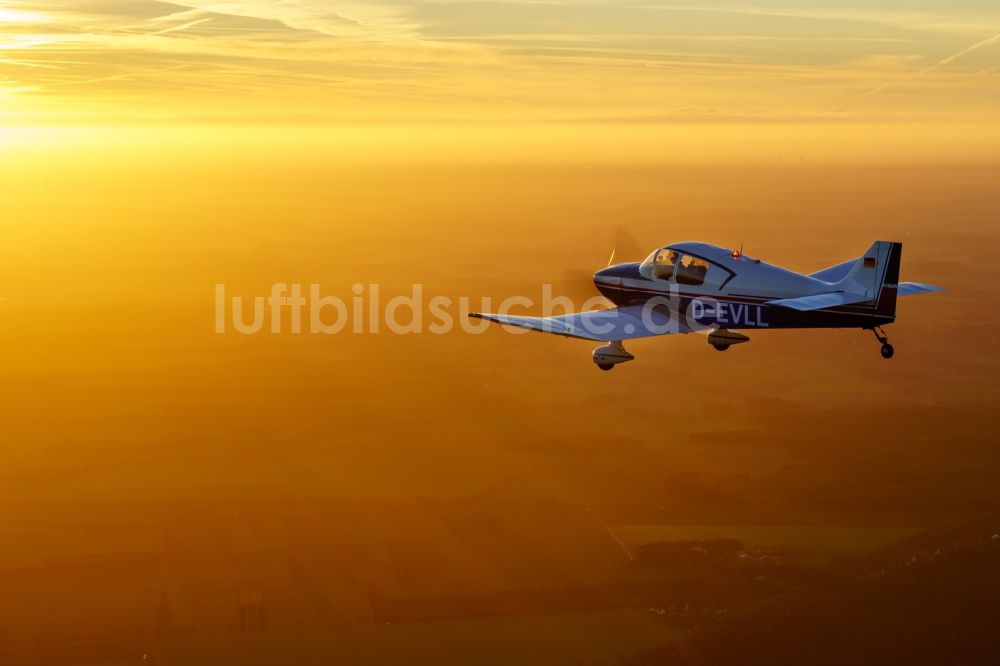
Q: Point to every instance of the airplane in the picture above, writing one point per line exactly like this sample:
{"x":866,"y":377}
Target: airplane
{"x":688,"y":287}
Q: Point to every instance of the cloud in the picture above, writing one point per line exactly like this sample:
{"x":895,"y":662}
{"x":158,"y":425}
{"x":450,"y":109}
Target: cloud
{"x":941,"y":63}
{"x":952,"y":20}
{"x":368,"y":20}
{"x":486,"y":59}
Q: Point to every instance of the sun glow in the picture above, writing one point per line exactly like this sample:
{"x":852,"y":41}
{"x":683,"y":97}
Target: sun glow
{"x":20,"y":16}
{"x":606,"y":81}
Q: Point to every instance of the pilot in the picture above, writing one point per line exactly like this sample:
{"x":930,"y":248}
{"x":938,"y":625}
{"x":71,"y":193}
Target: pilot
{"x":664,"y":266}
{"x":691,"y":271}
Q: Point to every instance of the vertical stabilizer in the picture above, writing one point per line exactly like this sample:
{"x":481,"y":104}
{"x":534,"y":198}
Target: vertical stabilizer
{"x":876,"y":274}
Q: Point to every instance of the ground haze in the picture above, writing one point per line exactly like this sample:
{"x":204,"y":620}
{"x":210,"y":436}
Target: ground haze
{"x":368,"y":497}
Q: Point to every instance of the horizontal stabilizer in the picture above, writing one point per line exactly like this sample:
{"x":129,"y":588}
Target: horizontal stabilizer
{"x":820,"y":301}
{"x":910,"y":288}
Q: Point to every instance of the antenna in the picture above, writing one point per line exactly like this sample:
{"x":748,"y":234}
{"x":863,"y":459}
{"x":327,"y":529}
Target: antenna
{"x":745,"y":229}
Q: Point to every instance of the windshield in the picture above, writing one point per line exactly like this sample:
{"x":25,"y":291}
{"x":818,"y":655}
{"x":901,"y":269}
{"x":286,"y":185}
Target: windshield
{"x":667,"y":264}
{"x":662,"y":264}
{"x":646,"y":267}
{"x":659,"y":265}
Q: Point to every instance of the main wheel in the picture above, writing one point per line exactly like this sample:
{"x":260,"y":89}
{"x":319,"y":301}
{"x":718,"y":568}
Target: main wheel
{"x":721,"y":347}
{"x":605,"y":366}
{"x":887,"y":350}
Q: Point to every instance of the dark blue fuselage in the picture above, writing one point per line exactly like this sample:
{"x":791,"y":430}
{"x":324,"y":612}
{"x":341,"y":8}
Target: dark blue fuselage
{"x":624,"y":286}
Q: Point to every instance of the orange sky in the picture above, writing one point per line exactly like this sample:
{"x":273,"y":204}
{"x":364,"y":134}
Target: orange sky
{"x":712,"y":80}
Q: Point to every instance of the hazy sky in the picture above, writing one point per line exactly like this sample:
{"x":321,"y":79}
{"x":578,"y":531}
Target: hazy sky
{"x":484,"y":61}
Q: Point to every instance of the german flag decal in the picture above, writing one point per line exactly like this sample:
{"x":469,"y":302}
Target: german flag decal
{"x":869,"y":262}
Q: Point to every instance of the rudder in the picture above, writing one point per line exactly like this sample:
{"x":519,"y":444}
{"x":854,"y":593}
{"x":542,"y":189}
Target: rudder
{"x":885,"y":299}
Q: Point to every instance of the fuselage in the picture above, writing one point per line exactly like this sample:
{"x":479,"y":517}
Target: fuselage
{"x":715,"y":287}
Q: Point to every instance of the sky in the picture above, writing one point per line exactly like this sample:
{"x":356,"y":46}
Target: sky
{"x":590,"y":62}
{"x":151,"y":151}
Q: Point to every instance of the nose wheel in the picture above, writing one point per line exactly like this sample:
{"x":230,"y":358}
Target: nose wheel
{"x":887,"y":349}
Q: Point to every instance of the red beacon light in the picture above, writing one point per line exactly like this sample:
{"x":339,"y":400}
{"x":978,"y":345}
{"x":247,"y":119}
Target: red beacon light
{"x":736,"y":254}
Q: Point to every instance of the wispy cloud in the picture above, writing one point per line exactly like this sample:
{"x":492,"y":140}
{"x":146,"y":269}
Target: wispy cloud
{"x":941,"y":63}
{"x":552,"y":60}
{"x":944,"y":20}
{"x":369,"y":20}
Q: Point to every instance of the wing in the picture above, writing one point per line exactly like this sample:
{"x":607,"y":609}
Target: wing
{"x":910,"y":288}
{"x":820,"y":301}
{"x":626,"y":323}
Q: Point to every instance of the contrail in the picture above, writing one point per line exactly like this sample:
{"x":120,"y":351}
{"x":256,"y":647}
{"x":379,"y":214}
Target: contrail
{"x":191,"y":24}
{"x":949,"y":59}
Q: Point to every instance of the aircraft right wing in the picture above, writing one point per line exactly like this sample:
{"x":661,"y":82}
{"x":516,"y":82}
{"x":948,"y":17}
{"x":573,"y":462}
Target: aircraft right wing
{"x":835,"y":298}
{"x":820,"y":301}
{"x":614,"y":324}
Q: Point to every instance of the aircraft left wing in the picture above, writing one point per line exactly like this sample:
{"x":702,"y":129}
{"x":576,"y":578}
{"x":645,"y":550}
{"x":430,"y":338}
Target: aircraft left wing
{"x":624,"y":323}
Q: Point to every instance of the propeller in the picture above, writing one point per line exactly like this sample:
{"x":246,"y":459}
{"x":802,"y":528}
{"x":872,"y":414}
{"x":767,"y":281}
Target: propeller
{"x":624,"y":247}
{"x":578,"y":283}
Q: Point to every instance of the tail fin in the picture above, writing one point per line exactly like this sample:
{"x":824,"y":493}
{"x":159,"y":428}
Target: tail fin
{"x":876,"y":274}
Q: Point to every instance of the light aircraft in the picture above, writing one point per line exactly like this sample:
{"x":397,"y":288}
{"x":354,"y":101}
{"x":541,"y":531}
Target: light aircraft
{"x":688,"y":287}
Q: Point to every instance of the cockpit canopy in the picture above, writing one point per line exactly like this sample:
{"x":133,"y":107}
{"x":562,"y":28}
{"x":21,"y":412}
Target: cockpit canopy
{"x":669,"y":264}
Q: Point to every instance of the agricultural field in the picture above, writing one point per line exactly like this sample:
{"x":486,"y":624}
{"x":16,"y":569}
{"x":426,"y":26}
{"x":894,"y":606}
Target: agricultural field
{"x":584,"y":638}
{"x":816,"y":543}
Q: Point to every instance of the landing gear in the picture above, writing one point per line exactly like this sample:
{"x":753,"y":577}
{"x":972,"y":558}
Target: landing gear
{"x":610,"y":355}
{"x":887,"y":349}
{"x":723,"y":339}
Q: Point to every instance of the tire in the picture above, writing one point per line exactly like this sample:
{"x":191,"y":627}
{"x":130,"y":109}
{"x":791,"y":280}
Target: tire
{"x":721,"y":347}
{"x":887,"y":351}
{"x":605,"y":366}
